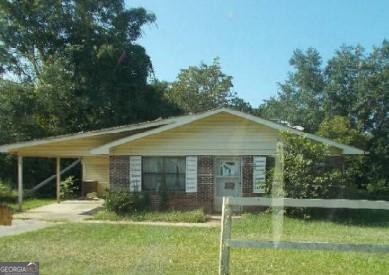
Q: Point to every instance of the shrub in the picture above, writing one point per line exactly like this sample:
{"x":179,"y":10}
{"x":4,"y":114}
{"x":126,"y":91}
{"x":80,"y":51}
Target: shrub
{"x":6,"y":193}
{"x":124,"y":202}
{"x":70,"y":188}
{"x":308,"y":174}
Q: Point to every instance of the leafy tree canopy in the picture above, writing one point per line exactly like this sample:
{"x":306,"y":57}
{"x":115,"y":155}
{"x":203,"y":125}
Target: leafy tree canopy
{"x":347,"y":100}
{"x":204,"y":87}
{"x":81,"y":62}
{"x":69,"y":66}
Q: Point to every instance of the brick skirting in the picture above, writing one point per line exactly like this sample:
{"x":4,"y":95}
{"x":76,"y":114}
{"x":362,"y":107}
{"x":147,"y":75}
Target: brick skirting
{"x":203,"y":198}
{"x":119,"y":173}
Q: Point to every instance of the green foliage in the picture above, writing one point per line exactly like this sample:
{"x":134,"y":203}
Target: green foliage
{"x":338,"y":128}
{"x":124,"y":202}
{"x":7,"y":194}
{"x":204,"y":87}
{"x":69,"y":66}
{"x":299,"y":99}
{"x":346,"y":100}
{"x":306,"y":170}
{"x":70,"y":188}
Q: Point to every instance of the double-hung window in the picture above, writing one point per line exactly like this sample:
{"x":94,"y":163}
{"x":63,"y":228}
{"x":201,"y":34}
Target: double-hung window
{"x":160,"y":171}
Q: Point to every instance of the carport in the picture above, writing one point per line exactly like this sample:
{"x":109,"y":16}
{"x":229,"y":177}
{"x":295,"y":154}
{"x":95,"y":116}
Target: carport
{"x":74,"y":146}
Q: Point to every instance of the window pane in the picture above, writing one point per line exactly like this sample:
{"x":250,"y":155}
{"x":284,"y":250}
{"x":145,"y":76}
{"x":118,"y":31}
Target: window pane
{"x":152,"y":182}
{"x":170,"y":170}
{"x":174,"y":165}
{"x":175,"y":182}
{"x":152,"y":164}
{"x":228,"y":168}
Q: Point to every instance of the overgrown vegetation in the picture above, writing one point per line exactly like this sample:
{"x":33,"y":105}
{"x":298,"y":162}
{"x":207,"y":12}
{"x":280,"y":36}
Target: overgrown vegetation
{"x":311,"y":172}
{"x":345,"y":99}
{"x":70,"y":188}
{"x":194,"y":216}
{"x":124,"y":202}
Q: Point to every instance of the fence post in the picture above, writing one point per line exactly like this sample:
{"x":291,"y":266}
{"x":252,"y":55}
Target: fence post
{"x":224,"y":260}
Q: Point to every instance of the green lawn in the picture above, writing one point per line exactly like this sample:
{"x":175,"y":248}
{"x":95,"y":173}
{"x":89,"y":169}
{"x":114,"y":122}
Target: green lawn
{"x":142,"y":249}
{"x":195,"y":216}
{"x":31,"y":203}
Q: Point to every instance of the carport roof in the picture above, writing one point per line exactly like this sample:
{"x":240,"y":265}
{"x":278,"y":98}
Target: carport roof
{"x":140,"y":130}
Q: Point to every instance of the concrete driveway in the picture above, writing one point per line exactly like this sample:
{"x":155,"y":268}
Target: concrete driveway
{"x":69,"y":211}
{"x":44,"y":216}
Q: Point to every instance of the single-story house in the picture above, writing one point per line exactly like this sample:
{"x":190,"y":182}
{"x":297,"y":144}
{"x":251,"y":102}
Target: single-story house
{"x":199,"y":157}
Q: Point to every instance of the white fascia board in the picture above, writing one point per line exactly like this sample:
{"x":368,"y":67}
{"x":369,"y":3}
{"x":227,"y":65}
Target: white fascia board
{"x":347,"y":149}
{"x":105,"y":149}
{"x":15,"y":146}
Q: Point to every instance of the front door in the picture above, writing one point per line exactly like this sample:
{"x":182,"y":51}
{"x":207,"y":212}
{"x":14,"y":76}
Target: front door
{"x":228,"y":180}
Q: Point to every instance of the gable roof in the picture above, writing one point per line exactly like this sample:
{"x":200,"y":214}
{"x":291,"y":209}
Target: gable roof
{"x":144,"y":129}
{"x":105,"y":149}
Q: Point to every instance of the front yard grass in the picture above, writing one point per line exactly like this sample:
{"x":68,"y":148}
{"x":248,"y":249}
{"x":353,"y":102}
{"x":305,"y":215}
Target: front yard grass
{"x":30,"y":204}
{"x":194,"y":216}
{"x":144,"y":249}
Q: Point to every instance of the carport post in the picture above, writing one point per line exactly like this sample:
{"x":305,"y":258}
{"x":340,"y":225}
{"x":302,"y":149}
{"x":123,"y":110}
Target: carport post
{"x":58,"y":179}
{"x":20,"y":182}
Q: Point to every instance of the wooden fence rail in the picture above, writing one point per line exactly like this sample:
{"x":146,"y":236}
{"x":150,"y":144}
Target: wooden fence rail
{"x":226,"y":242}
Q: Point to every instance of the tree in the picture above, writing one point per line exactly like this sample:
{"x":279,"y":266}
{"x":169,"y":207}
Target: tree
{"x":82,"y":59}
{"x":308,"y":172}
{"x":70,"y":66}
{"x":339,"y":129}
{"x":299,"y":98}
{"x":347,"y":100}
{"x":204,"y":87}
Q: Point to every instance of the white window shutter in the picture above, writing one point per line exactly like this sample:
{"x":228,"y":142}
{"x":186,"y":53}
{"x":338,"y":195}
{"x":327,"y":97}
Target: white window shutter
{"x":191,"y":174}
{"x":259,"y":174}
{"x":135,"y":173}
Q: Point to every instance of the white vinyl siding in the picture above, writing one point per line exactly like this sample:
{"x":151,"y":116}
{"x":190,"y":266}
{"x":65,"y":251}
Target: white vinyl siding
{"x":222,"y":134}
{"x":96,"y":169}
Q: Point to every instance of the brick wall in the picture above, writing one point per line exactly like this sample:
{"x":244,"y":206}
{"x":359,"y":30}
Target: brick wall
{"x":119,"y":173}
{"x":189,"y":201}
{"x":247,"y":177}
{"x":119,"y":180}
{"x":247,"y":180}
{"x":205,"y":181}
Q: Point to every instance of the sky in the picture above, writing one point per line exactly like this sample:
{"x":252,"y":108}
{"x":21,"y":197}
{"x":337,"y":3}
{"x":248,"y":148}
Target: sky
{"x":255,"y":39}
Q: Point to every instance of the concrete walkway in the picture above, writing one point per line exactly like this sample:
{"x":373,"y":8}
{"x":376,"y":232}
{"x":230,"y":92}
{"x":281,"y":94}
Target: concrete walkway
{"x":67,"y":211}
{"x":75,"y":211}
{"x":22,"y":226}
{"x":48,"y":215}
